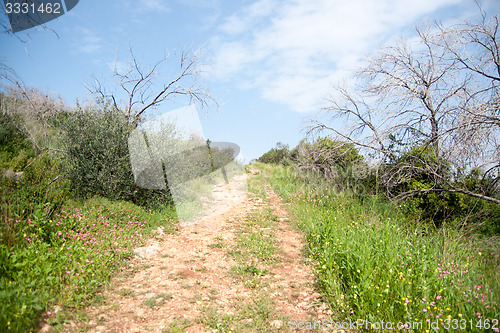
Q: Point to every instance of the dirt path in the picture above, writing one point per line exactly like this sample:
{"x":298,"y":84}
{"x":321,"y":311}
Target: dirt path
{"x":215,"y":276}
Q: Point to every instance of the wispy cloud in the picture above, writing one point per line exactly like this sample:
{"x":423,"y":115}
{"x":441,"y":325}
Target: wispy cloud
{"x":88,"y":41}
{"x":241,"y":22}
{"x":293,"y":50}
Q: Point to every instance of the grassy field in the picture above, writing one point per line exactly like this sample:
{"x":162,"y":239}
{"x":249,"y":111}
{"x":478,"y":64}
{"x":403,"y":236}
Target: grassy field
{"x":69,"y":258}
{"x":374,"y":264}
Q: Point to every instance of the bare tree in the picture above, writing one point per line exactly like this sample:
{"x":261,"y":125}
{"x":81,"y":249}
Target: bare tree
{"x":36,"y":109}
{"x":428,"y":107}
{"x":475,"y":46}
{"x":144,"y":89}
{"x":7,"y":74}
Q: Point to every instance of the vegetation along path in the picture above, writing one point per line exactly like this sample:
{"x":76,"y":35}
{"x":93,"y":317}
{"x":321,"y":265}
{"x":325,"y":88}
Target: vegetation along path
{"x":242,"y":270}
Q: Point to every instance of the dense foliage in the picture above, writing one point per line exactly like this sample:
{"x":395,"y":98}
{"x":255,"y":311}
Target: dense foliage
{"x":275,"y":155}
{"x":54,"y":246}
{"x":342,"y":166}
{"x":97,"y":158}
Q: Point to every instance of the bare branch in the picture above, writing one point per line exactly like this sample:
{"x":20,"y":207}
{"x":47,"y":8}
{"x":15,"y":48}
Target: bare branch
{"x":428,"y":109}
{"x":143,"y":89}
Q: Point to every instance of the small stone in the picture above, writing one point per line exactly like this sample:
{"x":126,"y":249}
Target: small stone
{"x":147,"y":252}
{"x":150,"y":295}
{"x":160,"y":232}
{"x":45,"y":328}
{"x":276,"y":323}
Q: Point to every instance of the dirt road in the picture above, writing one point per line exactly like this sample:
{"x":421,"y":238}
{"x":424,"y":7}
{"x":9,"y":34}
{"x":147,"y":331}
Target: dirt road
{"x":240,"y":271}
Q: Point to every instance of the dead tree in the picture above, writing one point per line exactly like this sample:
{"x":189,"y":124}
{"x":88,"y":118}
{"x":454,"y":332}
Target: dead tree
{"x":143,"y":89}
{"x":428,"y":106}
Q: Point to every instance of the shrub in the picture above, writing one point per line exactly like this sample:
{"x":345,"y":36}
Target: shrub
{"x":38,"y":196}
{"x":275,"y":155}
{"x":98,"y":159}
{"x":338,"y":162}
{"x":15,"y":149}
{"x":429,"y":172}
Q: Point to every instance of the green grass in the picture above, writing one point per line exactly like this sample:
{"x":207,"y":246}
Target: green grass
{"x":218,"y":244}
{"x":157,"y":300}
{"x":252,"y":315}
{"x":256,"y":186}
{"x":372,"y":262}
{"x":255,"y":239}
{"x":68,"y":258}
{"x":178,"y":325}
{"x":255,"y":247}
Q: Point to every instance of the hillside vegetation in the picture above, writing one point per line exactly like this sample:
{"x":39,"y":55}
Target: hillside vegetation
{"x":373,"y":262}
{"x":69,"y":220}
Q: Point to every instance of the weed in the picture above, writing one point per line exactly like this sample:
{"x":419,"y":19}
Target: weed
{"x":157,"y":300}
{"x":372,"y":262}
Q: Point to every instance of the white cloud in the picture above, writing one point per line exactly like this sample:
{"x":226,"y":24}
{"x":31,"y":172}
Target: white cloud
{"x":240,"y":23}
{"x":88,"y":40}
{"x":293,"y":50}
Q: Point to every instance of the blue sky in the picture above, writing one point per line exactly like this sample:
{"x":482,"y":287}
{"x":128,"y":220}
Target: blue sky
{"x":271,"y":61}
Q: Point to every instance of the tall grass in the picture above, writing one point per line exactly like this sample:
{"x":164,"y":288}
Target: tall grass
{"x":372,"y":263}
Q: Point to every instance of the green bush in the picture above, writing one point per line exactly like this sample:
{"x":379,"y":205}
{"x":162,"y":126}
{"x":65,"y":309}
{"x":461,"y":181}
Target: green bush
{"x":15,"y":148}
{"x":276,"y":155}
{"x":421,"y":164}
{"x":337,"y":162}
{"x":11,"y":139}
{"x":98,"y":160}
{"x":38,"y":196}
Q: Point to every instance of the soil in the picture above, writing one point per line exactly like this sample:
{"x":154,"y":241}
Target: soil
{"x":184,"y":282}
